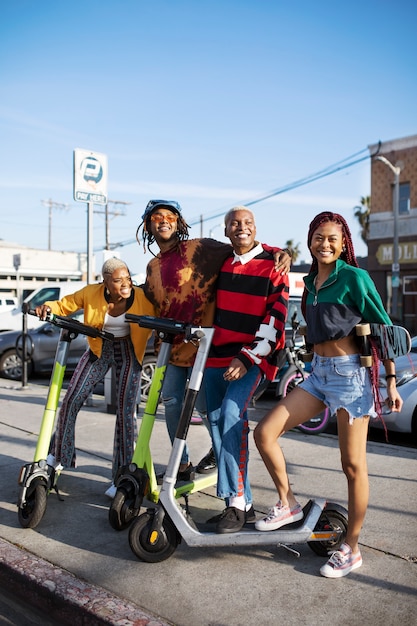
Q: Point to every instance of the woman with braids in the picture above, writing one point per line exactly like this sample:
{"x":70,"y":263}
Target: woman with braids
{"x":181,"y":284}
{"x":337,"y":296}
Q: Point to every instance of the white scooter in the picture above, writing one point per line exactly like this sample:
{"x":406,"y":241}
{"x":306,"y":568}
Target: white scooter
{"x":155,"y":534}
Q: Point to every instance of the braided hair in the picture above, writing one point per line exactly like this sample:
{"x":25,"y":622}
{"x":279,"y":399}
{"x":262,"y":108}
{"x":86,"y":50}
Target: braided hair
{"x":347,"y":255}
{"x":148,"y":238}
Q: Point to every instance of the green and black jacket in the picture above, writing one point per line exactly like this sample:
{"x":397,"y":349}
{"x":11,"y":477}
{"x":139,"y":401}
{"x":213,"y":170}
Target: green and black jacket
{"x":348,"y":297}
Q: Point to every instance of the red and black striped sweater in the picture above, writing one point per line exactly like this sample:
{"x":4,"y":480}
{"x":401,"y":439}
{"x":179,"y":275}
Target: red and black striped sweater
{"x":251,"y":309}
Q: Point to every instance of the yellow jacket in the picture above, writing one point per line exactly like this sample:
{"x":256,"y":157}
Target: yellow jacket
{"x":91,"y":299}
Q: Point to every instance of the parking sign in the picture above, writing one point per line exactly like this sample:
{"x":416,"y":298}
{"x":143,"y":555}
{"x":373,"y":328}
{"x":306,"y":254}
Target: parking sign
{"x":90,"y":177}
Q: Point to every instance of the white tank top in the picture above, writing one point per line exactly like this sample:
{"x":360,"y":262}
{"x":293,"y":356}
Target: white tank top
{"x":116,"y":325}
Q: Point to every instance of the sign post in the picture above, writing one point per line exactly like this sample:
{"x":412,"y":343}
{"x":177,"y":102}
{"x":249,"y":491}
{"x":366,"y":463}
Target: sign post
{"x":16,"y":264}
{"x":90,"y":186}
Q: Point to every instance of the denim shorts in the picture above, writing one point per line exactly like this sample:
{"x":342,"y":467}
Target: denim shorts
{"x":341,"y":383}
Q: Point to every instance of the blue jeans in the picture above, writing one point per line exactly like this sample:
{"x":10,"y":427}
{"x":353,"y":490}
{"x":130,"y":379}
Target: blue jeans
{"x":227,"y":404}
{"x":173,"y":391}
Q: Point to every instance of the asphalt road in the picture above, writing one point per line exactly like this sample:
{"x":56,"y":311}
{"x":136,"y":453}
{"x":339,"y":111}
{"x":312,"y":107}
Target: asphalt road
{"x":16,"y":612}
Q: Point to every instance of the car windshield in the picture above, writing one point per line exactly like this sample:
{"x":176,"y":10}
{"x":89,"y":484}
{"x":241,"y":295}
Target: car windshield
{"x":45,"y":295}
{"x":294,"y":306}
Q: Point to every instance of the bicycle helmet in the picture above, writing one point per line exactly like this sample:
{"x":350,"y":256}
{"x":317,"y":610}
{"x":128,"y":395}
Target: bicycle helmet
{"x":154,"y":204}
{"x":147,"y":236}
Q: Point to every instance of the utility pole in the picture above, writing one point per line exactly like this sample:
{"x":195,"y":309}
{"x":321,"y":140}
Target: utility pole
{"x":52,"y":205}
{"x":115,"y":213}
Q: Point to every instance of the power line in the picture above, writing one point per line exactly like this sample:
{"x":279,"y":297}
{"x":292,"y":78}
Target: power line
{"x":115,"y":213}
{"x":345,"y":163}
{"x":52,"y":205}
{"x":327,"y":171}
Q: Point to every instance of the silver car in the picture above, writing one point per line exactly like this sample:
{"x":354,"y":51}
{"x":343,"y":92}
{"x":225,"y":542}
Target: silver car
{"x":41,"y":346}
{"x":406,"y":420}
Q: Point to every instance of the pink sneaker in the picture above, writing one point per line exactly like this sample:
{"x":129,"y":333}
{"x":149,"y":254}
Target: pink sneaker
{"x":341,"y":562}
{"x":279,"y":516}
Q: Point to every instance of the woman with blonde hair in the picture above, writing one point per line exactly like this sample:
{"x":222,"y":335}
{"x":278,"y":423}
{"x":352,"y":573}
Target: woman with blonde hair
{"x":104,"y":305}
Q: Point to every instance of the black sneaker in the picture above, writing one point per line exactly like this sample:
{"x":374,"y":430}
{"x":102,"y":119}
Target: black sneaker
{"x":250,"y":517}
{"x":231,"y":520}
{"x":207,"y":464}
{"x":185,"y":476}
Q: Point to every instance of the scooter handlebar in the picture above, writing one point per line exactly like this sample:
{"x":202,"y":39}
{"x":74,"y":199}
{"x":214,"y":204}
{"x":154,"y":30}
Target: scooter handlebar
{"x":70,"y":323}
{"x":165,"y":325}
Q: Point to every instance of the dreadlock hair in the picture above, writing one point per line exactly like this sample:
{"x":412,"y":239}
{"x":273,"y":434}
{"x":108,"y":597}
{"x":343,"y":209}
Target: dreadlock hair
{"x":147,"y":237}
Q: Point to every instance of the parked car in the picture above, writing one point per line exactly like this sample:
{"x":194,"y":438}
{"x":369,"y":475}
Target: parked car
{"x":406,"y":370}
{"x":11,"y":319}
{"x":7,"y":303}
{"x":41,"y":346}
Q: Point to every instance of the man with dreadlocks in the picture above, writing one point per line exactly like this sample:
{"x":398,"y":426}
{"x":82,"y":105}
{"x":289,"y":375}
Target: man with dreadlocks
{"x":181,"y":284}
{"x":337,"y":296}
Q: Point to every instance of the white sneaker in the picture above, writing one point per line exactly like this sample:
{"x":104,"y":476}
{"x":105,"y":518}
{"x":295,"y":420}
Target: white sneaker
{"x":52,"y":462}
{"x":280,"y":515}
{"x":111,"y":491}
{"x":341,"y":563}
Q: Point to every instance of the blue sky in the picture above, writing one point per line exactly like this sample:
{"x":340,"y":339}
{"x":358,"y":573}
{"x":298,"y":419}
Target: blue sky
{"x":211,"y":103}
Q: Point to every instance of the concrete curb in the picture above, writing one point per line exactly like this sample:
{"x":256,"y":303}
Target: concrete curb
{"x":64,"y":597}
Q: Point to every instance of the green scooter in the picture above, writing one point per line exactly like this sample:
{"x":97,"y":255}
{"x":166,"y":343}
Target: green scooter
{"x":37,"y":479}
{"x":137,"y":481}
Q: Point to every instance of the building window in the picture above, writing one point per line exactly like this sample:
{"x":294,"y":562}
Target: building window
{"x":404,"y":206}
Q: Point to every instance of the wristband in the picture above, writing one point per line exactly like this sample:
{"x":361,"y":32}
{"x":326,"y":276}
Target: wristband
{"x":391,"y":376}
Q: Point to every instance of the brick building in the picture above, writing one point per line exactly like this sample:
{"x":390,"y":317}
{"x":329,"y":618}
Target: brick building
{"x":400,"y":153}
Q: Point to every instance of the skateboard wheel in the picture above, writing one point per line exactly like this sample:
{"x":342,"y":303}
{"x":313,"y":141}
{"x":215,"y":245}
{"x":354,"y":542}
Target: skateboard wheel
{"x":363,"y":329}
{"x":366,"y":361}
{"x":306,"y":357}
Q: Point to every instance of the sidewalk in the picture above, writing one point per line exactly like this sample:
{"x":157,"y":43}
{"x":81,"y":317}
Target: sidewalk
{"x":78,"y":566}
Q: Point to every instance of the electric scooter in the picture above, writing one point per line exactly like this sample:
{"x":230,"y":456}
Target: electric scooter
{"x":137,"y":480}
{"x":155,"y":534}
{"x":37,"y":479}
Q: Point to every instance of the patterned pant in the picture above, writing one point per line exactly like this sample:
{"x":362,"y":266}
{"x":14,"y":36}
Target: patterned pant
{"x":91,"y":370}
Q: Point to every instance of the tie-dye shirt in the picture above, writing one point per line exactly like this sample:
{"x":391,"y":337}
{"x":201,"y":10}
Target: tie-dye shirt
{"x":181,"y":284}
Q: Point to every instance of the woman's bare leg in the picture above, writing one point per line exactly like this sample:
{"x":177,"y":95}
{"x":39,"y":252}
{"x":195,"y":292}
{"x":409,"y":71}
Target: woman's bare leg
{"x":352,"y":444}
{"x":296,"y":408}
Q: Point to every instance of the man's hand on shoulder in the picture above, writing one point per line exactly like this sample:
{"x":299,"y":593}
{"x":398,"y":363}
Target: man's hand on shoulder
{"x":283,"y":261}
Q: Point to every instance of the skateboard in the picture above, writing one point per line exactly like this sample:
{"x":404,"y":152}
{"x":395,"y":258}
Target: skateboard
{"x":389,"y":341}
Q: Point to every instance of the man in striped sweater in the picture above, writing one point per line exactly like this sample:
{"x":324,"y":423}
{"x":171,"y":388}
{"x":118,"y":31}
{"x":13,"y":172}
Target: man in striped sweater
{"x":252,"y":302}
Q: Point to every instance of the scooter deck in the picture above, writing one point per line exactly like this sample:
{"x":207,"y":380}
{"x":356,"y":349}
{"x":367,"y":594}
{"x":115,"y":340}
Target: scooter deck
{"x":198,"y":534}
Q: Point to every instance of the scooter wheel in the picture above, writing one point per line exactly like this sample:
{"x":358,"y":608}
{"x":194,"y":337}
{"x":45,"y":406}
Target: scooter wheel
{"x":149,"y":548}
{"x":334,"y":518}
{"x":33,"y":510}
{"x":121,"y":512}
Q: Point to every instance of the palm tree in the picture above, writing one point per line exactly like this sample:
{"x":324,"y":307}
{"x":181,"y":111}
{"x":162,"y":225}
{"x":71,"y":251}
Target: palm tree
{"x":362,"y":213}
{"x":294,"y":249}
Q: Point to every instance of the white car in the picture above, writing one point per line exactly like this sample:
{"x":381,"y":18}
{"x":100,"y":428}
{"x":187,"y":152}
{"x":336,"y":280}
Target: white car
{"x":406,"y":420}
